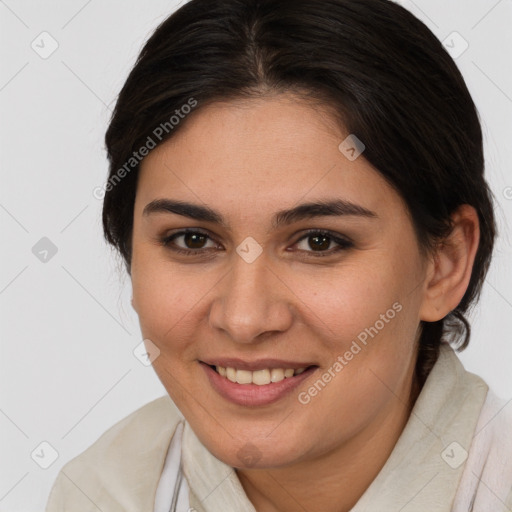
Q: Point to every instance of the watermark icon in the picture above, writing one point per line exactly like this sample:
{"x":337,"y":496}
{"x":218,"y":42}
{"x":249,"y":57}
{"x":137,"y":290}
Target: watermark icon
{"x":455,"y":45}
{"x":146,"y":352}
{"x":44,"y":250}
{"x":352,"y":147}
{"x":507,"y":193}
{"x":343,"y":360}
{"x":44,"y":455}
{"x":44,"y":45}
{"x":454,"y":455}
{"x":249,"y":249}
{"x":152,"y":140}
{"x":249,"y":454}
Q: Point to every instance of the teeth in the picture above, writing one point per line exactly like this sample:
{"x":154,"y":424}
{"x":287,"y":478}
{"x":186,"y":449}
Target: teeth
{"x":259,"y":377}
{"x":243,"y":377}
{"x":231,"y":374}
{"x":276,"y":374}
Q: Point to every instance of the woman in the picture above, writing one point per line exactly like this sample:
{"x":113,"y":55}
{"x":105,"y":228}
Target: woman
{"x":297,"y":190}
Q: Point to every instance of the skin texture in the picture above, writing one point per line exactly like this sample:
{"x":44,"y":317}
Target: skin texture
{"x":247,"y":160}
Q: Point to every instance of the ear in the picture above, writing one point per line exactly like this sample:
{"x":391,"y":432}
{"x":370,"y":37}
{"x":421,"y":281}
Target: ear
{"x":449,"y":271}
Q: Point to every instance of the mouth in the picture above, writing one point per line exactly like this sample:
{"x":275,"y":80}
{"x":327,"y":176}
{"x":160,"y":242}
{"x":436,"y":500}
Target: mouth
{"x":256,"y":384}
{"x":258,"y":377}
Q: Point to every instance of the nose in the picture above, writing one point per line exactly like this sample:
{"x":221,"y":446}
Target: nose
{"x":251,"y":302}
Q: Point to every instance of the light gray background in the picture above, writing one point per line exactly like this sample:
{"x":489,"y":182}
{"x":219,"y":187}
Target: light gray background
{"x":68,"y":331}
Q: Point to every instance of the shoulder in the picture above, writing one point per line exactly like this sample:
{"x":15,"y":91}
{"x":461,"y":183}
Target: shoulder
{"x":487,"y":479}
{"x":121,"y":469}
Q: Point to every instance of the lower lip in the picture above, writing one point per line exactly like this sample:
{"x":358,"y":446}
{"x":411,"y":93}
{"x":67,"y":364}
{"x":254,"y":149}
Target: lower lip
{"x":251,"y":395}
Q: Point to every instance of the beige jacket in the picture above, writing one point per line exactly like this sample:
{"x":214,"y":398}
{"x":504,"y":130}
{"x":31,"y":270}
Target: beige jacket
{"x":454,"y":455}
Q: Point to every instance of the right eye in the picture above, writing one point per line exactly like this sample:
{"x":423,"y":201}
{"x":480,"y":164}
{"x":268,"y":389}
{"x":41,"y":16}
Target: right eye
{"x":193,"y":242}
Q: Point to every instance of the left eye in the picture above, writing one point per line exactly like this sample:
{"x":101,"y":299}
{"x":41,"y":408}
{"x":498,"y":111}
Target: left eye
{"x":320,"y":241}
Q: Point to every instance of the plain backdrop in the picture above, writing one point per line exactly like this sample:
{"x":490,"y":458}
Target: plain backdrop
{"x":68,"y":332}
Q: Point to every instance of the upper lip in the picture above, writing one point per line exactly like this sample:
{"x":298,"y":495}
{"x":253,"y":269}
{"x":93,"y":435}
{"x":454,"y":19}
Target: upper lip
{"x":259,"y":364}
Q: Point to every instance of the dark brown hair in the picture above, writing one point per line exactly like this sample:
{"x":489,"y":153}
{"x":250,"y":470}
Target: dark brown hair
{"x":371,"y":61}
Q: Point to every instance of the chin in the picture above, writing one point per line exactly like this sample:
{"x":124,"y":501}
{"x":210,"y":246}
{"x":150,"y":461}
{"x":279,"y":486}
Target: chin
{"x":255,"y":453}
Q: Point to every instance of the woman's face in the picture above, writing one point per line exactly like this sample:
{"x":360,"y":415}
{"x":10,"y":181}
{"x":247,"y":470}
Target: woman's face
{"x":273,"y":283}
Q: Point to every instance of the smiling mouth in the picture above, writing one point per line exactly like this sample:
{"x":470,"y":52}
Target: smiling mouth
{"x":259,"y":377}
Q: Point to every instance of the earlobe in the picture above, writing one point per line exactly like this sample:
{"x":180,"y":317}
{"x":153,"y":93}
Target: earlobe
{"x":449,"y":271}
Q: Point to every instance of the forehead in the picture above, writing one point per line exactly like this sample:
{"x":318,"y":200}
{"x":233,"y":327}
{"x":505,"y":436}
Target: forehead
{"x":259,"y":154}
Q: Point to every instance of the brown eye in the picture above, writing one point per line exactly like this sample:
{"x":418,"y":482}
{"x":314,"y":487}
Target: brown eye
{"x":320,"y":242}
{"x":188,"y":242}
{"x":194,"y":240}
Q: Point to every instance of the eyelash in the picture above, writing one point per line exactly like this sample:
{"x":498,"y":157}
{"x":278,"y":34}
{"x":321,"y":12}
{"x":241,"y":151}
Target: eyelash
{"x":343,"y":243}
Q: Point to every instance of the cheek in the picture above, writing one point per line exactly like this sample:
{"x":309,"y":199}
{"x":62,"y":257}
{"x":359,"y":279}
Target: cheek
{"x":366,"y":317}
{"x":339,"y":304}
{"x":158,"y":293}
{"x":170,"y":300}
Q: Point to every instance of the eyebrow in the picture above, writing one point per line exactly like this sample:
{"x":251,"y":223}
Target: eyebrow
{"x":303,"y":211}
